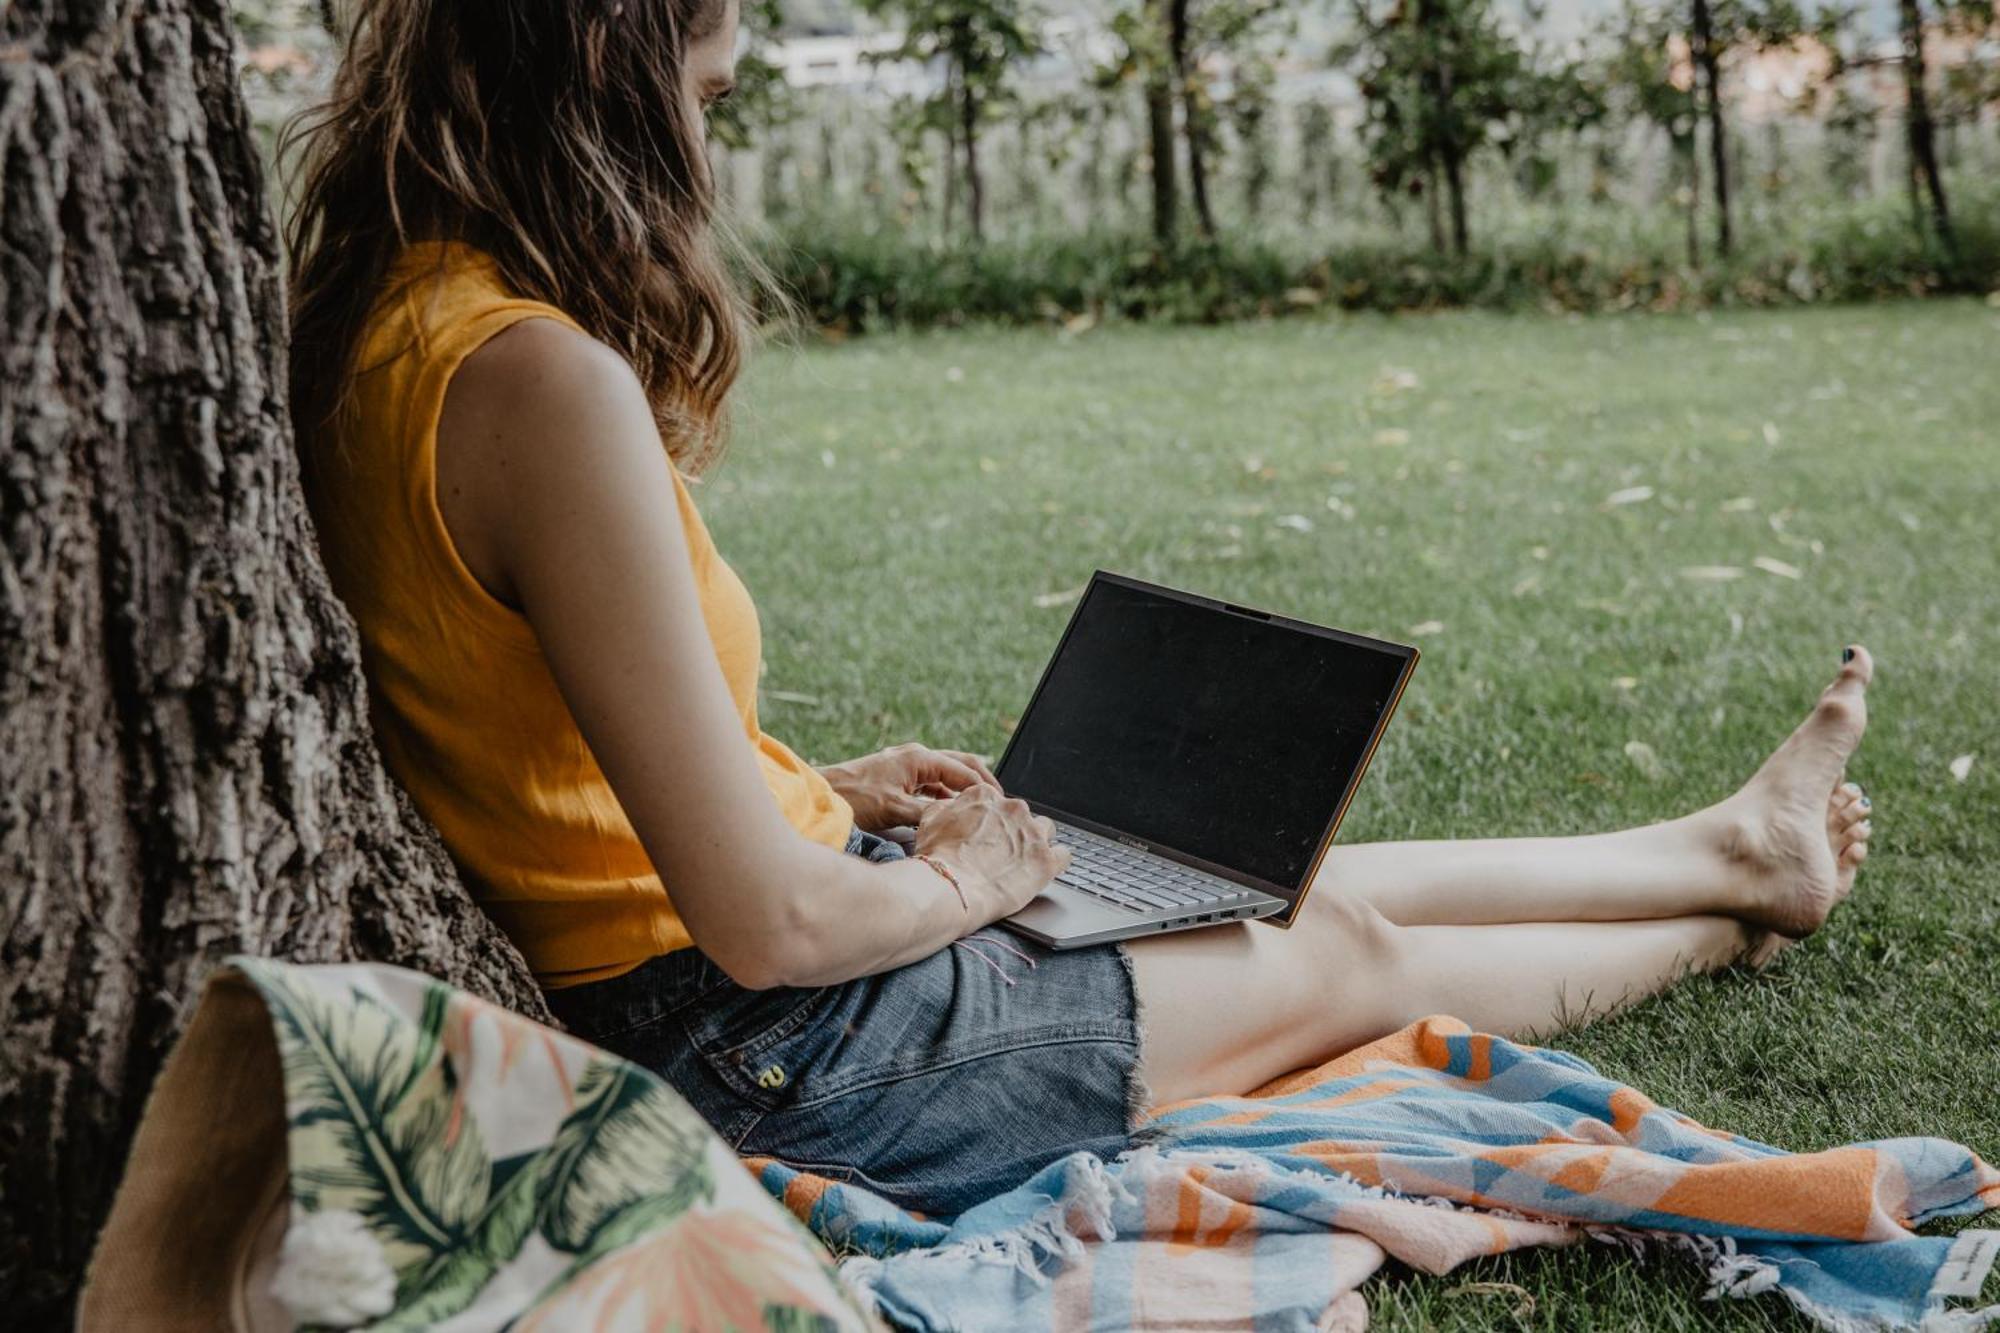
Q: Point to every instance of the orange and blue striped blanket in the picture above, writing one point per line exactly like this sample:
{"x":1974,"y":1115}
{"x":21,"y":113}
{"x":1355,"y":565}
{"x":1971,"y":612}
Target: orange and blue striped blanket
{"x":1432,"y":1147}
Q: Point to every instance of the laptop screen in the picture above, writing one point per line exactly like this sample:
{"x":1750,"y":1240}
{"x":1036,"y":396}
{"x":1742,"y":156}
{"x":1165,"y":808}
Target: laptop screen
{"x":1217,"y":733}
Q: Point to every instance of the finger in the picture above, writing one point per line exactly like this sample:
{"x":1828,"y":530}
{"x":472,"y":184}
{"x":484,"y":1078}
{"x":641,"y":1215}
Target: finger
{"x":1046,"y":827}
{"x":945,"y":768}
{"x":907,"y":809}
{"x":976,"y":764}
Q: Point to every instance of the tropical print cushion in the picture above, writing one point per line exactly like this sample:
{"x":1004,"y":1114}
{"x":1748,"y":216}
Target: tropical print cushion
{"x":454,"y":1166}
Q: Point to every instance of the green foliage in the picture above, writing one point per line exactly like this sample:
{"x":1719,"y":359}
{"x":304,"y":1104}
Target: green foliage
{"x":1444,"y":79}
{"x":761,"y":100}
{"x":851,"y":276}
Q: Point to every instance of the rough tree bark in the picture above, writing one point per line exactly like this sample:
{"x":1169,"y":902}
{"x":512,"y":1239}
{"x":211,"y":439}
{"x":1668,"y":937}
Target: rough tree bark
{"x":1708,"y":58}
{"x":186,"y":768}
{"x":1918,"y":125}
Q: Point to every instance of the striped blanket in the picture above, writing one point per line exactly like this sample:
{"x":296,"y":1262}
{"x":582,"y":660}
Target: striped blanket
{"x":1433,"y":1146}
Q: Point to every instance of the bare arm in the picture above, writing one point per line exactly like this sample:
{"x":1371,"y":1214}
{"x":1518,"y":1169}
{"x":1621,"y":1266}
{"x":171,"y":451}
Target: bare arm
{"x":558,"y":493}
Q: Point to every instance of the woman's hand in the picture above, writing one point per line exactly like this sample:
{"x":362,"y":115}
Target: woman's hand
{"x":895,"y":786}
{"x":1002,"y":854}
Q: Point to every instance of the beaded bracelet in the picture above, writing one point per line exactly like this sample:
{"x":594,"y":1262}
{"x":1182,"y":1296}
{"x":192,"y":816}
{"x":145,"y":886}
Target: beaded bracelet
{"x":949,"y":878}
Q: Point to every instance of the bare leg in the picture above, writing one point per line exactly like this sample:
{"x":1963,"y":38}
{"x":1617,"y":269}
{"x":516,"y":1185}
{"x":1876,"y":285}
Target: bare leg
{"x":1233,"y":1007}
{"x":1397,"y":937}
{"x":1780,"y":852}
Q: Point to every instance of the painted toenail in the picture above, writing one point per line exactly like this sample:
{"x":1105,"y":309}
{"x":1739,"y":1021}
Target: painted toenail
{"x":1846,"y":654}
{"x":1867,"y":804}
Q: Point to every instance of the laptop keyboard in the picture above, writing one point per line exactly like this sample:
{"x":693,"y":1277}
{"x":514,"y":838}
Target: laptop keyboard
{"x":1138,"y":881}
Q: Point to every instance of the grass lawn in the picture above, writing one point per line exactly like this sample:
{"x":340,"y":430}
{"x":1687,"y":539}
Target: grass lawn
{"x":1631,"y":549}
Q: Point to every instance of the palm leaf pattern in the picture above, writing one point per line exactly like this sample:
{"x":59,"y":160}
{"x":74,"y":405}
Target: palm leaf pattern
{"x":371,"y":1126}
{"x":628,"y":1195}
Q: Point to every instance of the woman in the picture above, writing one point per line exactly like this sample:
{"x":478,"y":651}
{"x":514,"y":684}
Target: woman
{"x":507,"y":301}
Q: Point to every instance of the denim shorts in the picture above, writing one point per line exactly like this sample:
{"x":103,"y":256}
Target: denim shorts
{"x":937,"y":1085}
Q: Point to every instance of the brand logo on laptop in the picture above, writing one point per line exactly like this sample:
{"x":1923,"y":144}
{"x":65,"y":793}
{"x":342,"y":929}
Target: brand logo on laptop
{"x":1132,"y":842}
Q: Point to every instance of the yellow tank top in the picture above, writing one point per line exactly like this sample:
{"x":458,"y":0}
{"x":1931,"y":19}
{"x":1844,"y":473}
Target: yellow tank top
{"x":468,"y":716}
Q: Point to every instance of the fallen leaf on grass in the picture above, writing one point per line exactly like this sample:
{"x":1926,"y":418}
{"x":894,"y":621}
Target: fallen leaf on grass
{"x":1631,"y":495}
{"x":1394,"y":379}
{"x":1528,"y":586}
{"x":1740,"y":504}
{"x":1048,"y":599}
{"x":1771,"y":435}
{"x":1524,"y":1301}
{"x":1961,"y":767}
{"x":1296,"y":522}
{"x":792,"y":697}
{"x":1626,"y":683}
{"x":1418,"y":630}
{"x":1712,"y":573}
{"x":1778,"y":567}
{"x":1645,"y":760}
{"x":1392,"y":438}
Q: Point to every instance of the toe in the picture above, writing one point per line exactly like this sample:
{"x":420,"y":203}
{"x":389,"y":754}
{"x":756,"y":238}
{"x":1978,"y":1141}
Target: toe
{"x":1854,"y":853}
{"x":1851,"y":815}
{"x":1857,"y":668}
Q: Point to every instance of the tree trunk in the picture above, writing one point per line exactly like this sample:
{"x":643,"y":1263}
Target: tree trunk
{"x":186,"y":767}
{"x":1708,"y":57}
{"x":1434,"y":203}
{"x":1917,"y":119}
{"x":1454,"y":187}
{"x":1194,"y":119}
{"x":975,"y":189}
{"x":1691,"y":167}
{"x":1160,"y":131}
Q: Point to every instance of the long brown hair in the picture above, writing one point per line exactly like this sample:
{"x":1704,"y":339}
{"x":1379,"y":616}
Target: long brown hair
{"x":554,"y":136}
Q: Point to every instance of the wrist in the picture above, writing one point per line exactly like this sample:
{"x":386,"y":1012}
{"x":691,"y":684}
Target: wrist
{"x":948,"y":874}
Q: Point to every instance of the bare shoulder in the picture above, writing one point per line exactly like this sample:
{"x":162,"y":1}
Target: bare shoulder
{"x":544,"y":429}
{"x":540,"y":371}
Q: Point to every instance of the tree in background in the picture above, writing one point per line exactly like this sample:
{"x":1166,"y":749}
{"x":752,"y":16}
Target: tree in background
{"x":980,"y":44}
{"x":1199,"y":36}
{"x":1438,"y":78}
{"x":1146,"y":57}
{"x":1705,"y":44}
{"x":185,"y":749}
{"x":1319,"y":159}
{"x":1650,"y":80}
{"x":1917,"y":123}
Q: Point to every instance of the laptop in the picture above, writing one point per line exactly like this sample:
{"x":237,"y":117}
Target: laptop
{"x":1196,"y":758}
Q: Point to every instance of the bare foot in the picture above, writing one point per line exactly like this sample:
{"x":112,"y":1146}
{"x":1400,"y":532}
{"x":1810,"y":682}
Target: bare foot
{"x":1797,"y":833}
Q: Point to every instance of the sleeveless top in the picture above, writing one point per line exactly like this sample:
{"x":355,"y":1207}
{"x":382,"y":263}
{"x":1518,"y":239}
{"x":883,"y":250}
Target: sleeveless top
{"x":468,"y":717}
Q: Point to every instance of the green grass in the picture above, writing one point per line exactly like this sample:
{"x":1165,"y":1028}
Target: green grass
{"x":898,"y":505}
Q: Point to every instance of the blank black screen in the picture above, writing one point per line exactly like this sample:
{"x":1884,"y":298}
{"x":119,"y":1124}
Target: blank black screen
{"x":1213,"y":733}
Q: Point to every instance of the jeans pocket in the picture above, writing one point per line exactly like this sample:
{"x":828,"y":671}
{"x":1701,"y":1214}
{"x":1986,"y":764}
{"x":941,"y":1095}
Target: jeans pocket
{"x":751,"y":1039}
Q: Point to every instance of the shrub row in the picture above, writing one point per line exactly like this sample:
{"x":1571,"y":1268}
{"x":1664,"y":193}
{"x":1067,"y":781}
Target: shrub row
{"x":851,"y":277}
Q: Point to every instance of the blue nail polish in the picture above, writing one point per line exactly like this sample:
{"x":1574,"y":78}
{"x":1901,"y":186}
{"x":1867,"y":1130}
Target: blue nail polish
{"x":1867,"y":804}
{"x":1846,"y":655}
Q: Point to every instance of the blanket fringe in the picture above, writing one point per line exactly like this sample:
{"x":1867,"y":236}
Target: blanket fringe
{"x":1082,"y":1204}
{"x":1740,"y":1276}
